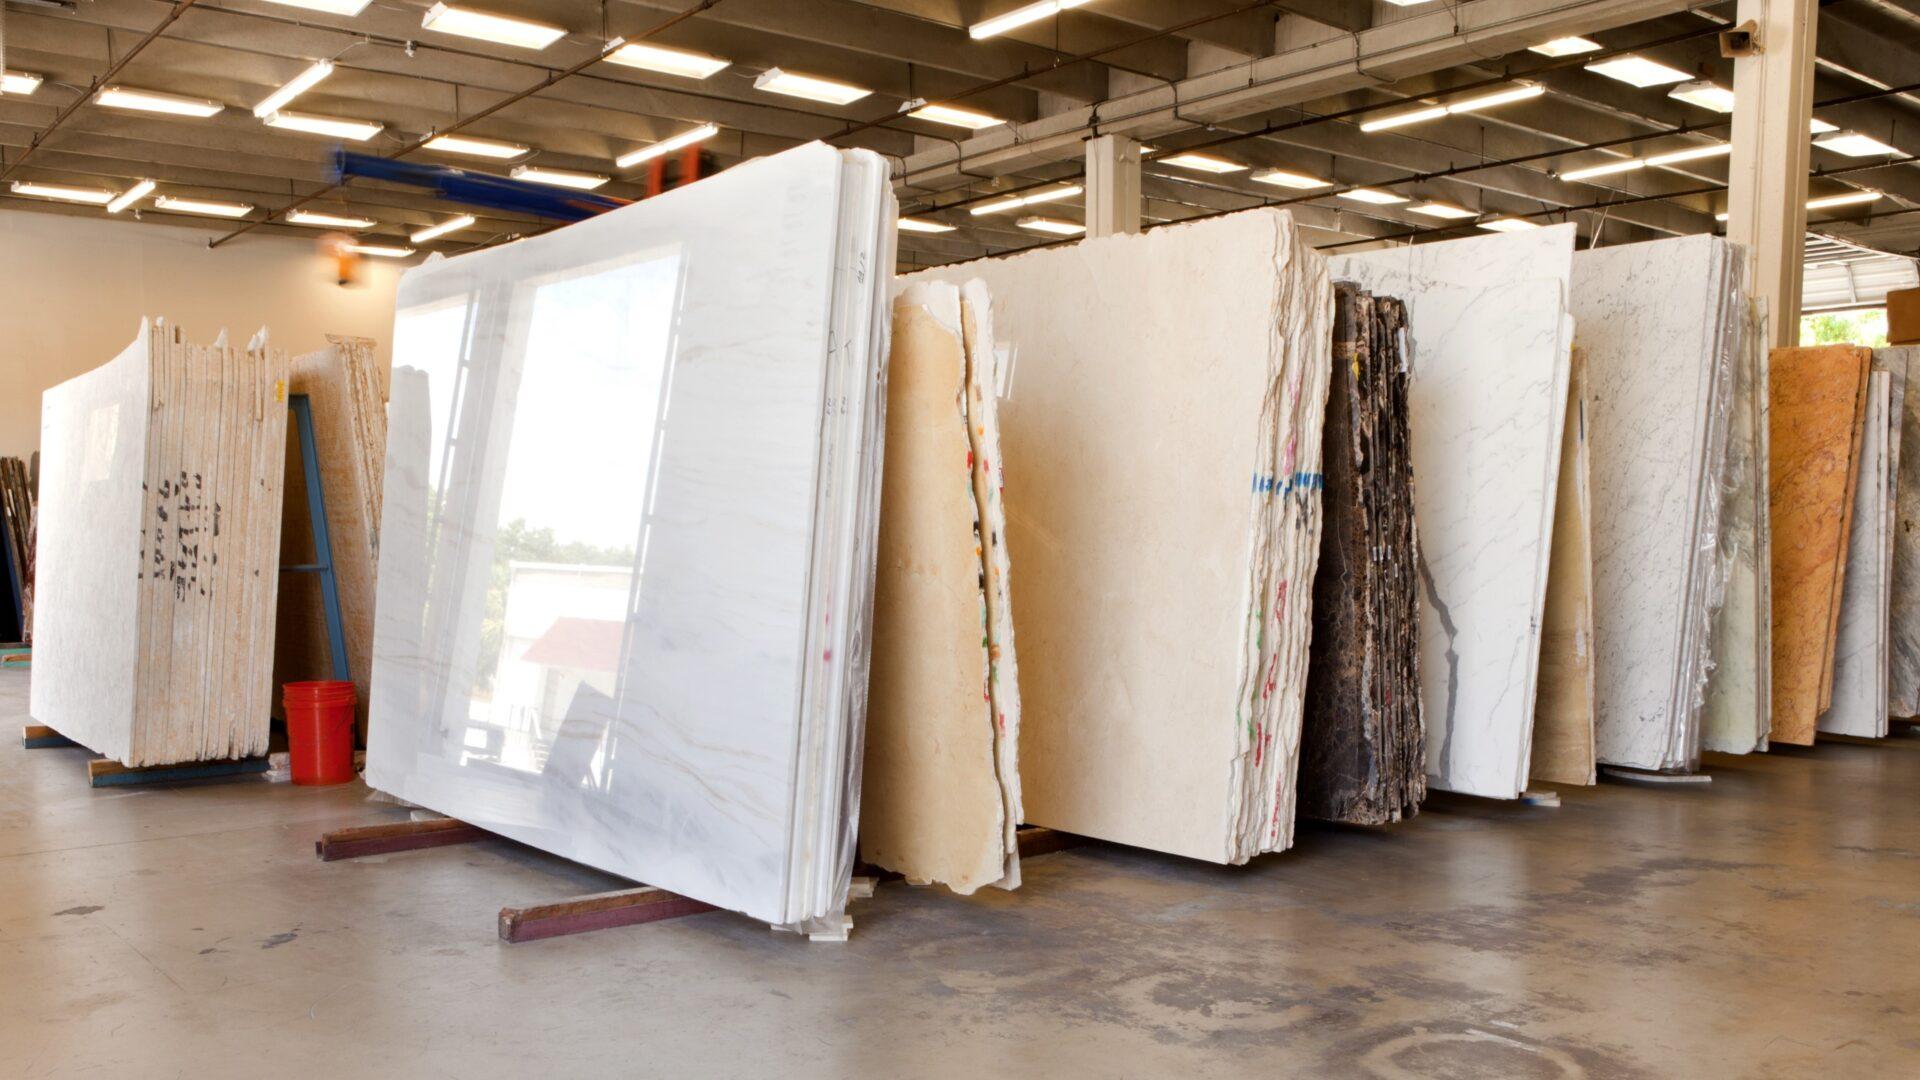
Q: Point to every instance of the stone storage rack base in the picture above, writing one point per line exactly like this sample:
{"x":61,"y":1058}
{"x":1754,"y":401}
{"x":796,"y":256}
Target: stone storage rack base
{"x":105,"y":772}
{"x":594,"y":911}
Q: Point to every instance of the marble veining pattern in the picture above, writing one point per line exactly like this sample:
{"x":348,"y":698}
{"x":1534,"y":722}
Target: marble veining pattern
{"x":1903,"y":676}
{"x":603,"y":508}
{"x":1860,"y":648}
{"x":1652,"y":327}
{"x":1485,"y":314}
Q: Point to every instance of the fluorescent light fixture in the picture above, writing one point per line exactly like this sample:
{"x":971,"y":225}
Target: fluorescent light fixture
{"x":1691,"y":153}
{"x":1672,"y":157}
{"x":330,"y":126}
{"x":472,"y":147}
{"x":922,"y":225}
{"x":1465,"y":105}
{"x":1826,"y":202}
{"x":1497,"y":97}
{"x":1012,"y":201}
{"x":298,"y":85}
{"x":331,"y":7}
{"x":63,"y":192}
{"x":1051,"y":225}
{"x":381,"y":250}
{"x":1821,"y":127}
{"x":19,"y":82}
{"x":130,"y":196}
{"x":1287,"y":178}
{"x":331,"y":221}
{"x":120,"y":97}
{"x":486,"y":26}
{"x":659,"y":58}
{"x":1406,"y":3}
{"x":1018,"y":17}
{"x":1566,"y":46}
{"x":1432,"y":112}
{"x":1705,"y":93}
{"x":947,"y":114}
{"x":1372,"y":195}
{"x":1608,"y":169}
{"x":435,"y":232}
{"x":1854,"y":144}
{"x":667,"y":145}
{"x":1443,"y":210}
{"x":566,"y":178}
{"x":775,"y":81}
{"x":1206,"y":163}
{"x":1508,"y":224}
{"x":206,"y":207}
{"x":1637,"y":71}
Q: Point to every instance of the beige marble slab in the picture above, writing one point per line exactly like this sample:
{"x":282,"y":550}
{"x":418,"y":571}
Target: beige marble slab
{"x":1563,"y":715}
{"x":932,"y":804}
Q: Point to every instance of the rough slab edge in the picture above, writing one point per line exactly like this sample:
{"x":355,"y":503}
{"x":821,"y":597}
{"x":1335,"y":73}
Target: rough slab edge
{"x":105,"y":772}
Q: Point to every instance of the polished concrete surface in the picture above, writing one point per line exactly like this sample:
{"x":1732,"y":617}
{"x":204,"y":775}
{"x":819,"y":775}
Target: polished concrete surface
{"x":1767,"y":925}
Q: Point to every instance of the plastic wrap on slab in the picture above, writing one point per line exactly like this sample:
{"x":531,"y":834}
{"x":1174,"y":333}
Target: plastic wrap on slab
{"x":627,"y":544}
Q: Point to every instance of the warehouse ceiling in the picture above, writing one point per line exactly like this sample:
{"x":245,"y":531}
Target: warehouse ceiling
{"x":1166,"y":71}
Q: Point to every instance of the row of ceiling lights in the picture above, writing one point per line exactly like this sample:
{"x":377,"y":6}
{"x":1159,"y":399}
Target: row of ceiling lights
{"x":499,"y":29}
{"x":1635,"y":70}
{"x":524,"y":33}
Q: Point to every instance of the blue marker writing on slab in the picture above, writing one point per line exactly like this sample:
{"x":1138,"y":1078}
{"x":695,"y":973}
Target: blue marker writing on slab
{"x":1302,"y":481}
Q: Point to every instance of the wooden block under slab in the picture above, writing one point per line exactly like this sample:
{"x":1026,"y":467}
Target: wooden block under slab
{"x":600,"y":911}
{"x":42,"y":737}
{"x":362,"y":840}
{"x":105,"y":772}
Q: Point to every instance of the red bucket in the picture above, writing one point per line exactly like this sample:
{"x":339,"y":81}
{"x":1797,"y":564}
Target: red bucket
{"x":320,"y":731}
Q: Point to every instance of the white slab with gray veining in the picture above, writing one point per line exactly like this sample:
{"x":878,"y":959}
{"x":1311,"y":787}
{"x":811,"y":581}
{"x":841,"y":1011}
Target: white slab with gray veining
{"x":1860,"y":646}
{"x":1653,"y":321}
{"x":1903,"y":678}
{"x":1490,"y":336}
{"x":606,"y":502}
{"x":1738,"y":715}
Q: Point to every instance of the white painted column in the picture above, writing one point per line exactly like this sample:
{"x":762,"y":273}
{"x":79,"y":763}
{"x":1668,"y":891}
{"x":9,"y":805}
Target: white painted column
{"x":1113,"y":185}
{"x":1767,"y":173}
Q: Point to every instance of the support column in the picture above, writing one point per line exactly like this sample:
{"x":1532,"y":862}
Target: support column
{"x":1767,"y":172}
{"x":1113,"y":185}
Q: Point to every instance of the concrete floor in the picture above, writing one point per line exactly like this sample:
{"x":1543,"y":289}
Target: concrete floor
{"x":1767,"y":926}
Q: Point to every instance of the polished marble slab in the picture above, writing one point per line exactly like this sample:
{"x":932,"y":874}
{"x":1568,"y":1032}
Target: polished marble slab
{"x":1903,"y":676}
{"x":1655,"y":328}
{"x":1815,"y":410}
{"x":1161,"y":423}
{"x":1489,"y":337}
{"x":1739,"y":698}
{"x":627,"y":534}
{"x":1860,"y":651}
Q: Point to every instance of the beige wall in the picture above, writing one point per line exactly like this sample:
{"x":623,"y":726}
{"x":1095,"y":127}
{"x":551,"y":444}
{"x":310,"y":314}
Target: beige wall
{"x":74,"y":289}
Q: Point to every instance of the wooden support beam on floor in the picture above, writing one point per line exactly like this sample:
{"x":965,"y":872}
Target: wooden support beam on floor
{"x":363,"y":840}
{"x":42,"y":737}
{"x":105,"y":772}
{"x":599,"y":911}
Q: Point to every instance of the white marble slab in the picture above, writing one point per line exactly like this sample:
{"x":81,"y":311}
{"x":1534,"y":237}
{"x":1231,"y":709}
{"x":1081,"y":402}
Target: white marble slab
{"x":1860,"y":653}
{"x":1653,"y":324}
{"x":93,"y":458}
{"x":1739,"y":708}
{"x":1903,"y":678}
{"x":1490,"y":338}
{"x":621,"y":601}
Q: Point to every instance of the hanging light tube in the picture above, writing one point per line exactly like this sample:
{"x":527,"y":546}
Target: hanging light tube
{"x":296,"y":86}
